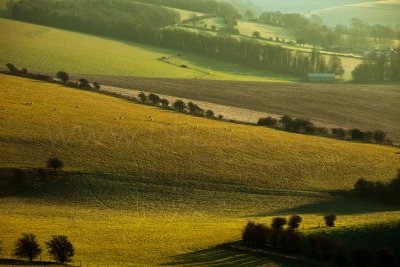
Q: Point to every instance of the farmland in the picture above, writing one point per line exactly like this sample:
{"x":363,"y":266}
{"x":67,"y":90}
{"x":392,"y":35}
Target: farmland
{"x":368,"y":107}
{"x":146,"y":173}
{"x":28,"y":45}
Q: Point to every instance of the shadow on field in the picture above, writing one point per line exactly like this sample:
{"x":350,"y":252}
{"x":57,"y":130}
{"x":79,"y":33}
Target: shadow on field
{"x":225,"y":255}
{"x":340,"y":206}
{"x":25,"y":263}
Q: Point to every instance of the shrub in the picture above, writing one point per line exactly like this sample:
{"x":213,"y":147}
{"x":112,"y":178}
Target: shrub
{"x":61,"y":249}
{"x":286,"y":122}
{"x":96,"y":86}
{"x":339,"y":133}
{"x":220,"y":117}
{"x":63,"y":76}
{"x":255,"y":234}
{"x":27,"y":247}
{"x":278,"y":223}
{"x":179,"y":105}
{"x":289,"y":240}
{"x":210,"y":114}
{"x":357,"y":134}
{"x":195,"y":109}
{"x":55,"y":163}
{"x":84,"y":84}
{"x":184,"y":66}
{"x":143,"y":97}
{"x":154,"y":99}
{"x":330,"y":220}
{"x":269,"y":122}
{"x":164,"y":102}
{"x":256,"y":34}
{"x":12,"y":69}
{"x":379,"y":136}
{"x":294,"y":222}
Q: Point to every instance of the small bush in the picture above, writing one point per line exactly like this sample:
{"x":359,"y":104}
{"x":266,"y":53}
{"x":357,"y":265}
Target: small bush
{"x":27,"y":247}
{"x":294,"y":222}
{"x":210,"y":114}
{"x":179,"y":105}
{"x":55,"y":163}
{"x":379,"y":136}
{"x":63,"y":76}
{"x":84,"y":84}
{"x":255,"y":234}
{"x":154,"y":99}
{"x":278,"y":223}
{"x":143,"y":97}
{"x":269,"y":122}
{"x":12,"y":69}
{"x":330,"y":220}
{"x":96,"y":86}
{"x":164,"y":102}
{"x":339,"y":133}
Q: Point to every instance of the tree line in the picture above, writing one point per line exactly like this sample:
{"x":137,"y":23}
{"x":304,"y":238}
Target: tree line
{"x":62,"y":77}
{"x":359,"y":35}
{"x":305,"y":126}
{"x":58,"y":247}
{"x":246,"y":52}
{"x":285,"y":123}
{"x":317,"y":246}
{"x":384,"y":192}
{"x":376,"y":67}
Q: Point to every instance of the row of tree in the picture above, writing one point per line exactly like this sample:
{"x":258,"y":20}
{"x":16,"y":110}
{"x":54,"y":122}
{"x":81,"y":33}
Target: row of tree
{"x":178,"y":105}
{"x":379,"y":67}
{"x":385,"y":192}
{"x":58,"y":247}
{"x":316,"y":246}
{"x":62,"y":77}
{"x":242,"y":51}
{"x":358,"y":35}
{"x":305,"y":126}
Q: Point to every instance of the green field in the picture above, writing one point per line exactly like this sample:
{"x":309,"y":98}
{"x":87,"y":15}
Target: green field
{"x":144,"y":186}
{"x":48,"y":49}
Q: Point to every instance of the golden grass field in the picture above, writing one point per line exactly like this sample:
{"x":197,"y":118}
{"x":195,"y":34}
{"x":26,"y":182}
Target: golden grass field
{"x":144,"y":186}
{"x":48,"y":49}
{"x":368,"y":107}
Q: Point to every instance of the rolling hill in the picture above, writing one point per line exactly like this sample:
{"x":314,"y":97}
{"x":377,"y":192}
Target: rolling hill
{"x":143,"y":185}
{"x":40,"y":48}
{"x":369,"y":107}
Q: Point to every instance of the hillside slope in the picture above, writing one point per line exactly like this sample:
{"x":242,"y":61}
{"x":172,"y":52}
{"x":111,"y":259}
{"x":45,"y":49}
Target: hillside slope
{"x":48,"y":49}
{"x":144,"y":185}
{"x":88,"y":132}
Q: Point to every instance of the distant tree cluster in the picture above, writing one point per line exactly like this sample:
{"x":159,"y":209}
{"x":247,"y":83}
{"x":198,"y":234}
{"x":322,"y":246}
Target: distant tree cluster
{"x":316,"y":246}
{"x":62,"y":77}
{"x":357,"y":36}
{"x":178,"y":105}
{"x":379,"y":67}
{"x":305,"y":126}
{"x":384,"y":192}
{"x":58,"y":247}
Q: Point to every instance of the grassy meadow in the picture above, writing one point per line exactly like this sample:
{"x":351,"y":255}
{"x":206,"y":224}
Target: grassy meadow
{"x":39,"y":48}
{"x":144,"y":186}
